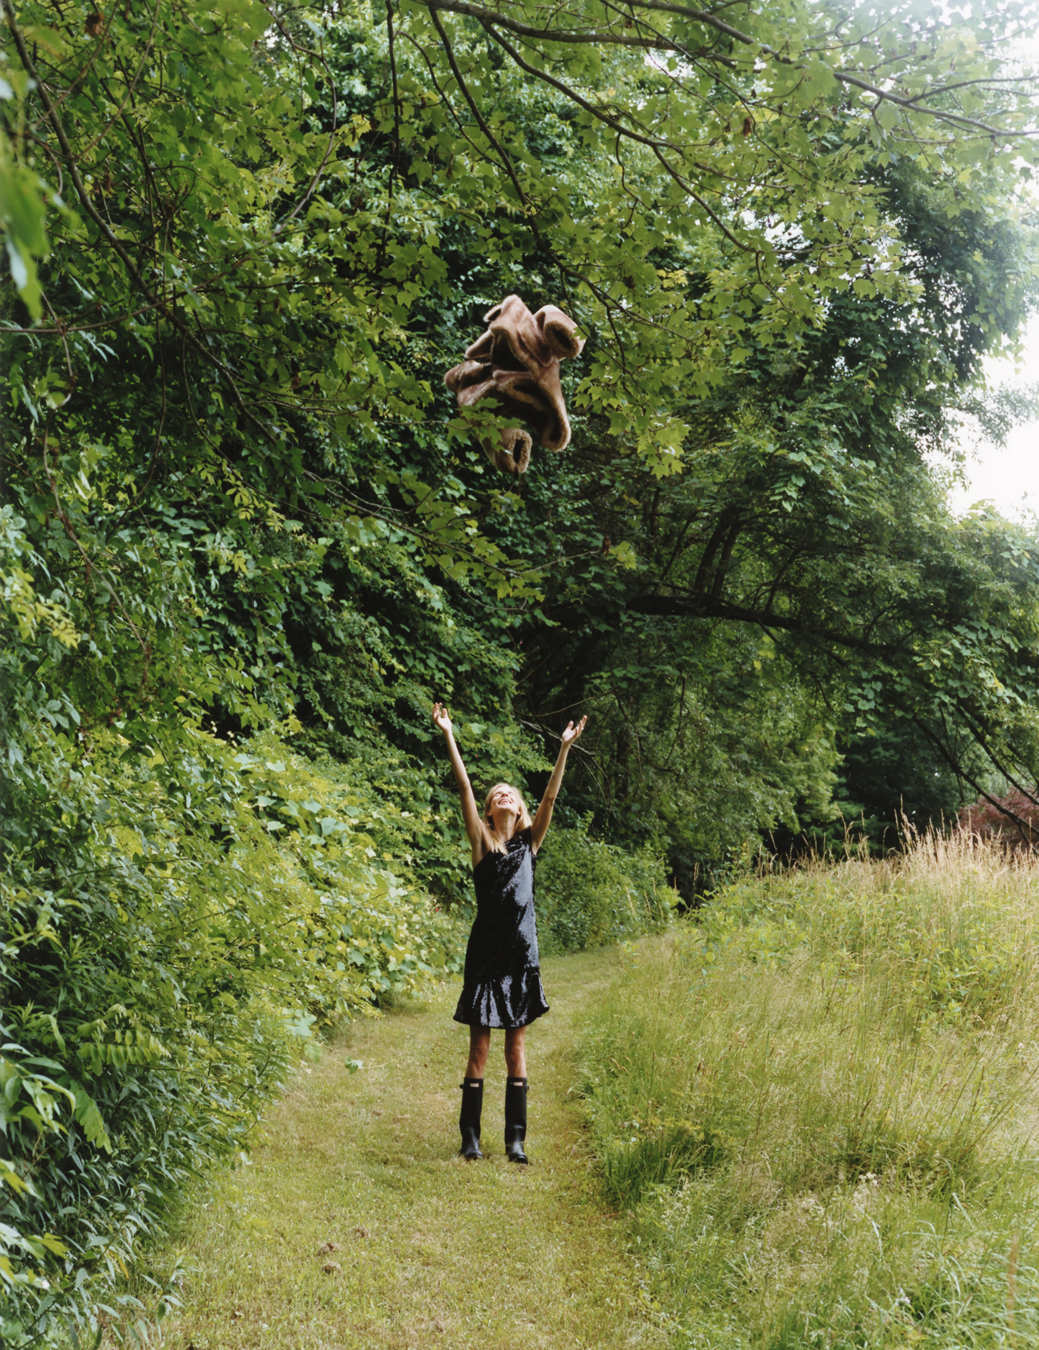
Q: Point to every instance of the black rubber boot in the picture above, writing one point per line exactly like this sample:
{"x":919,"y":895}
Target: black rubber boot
{"x":469,"y":1119}
{"x":515,"y":1119}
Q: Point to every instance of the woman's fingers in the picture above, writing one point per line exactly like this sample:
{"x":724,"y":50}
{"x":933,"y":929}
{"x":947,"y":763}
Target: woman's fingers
{"x":571,"y":733}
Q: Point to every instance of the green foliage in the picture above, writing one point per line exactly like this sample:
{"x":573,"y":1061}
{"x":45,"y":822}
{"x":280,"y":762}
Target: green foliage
{"x":22,"y":201}
{"x":591,"y":893}
{"x":892,"y":781}
{"x":242,"y":515}
{"x":262,"y":340}
{"x":815,"y":1104}
{"x":172,"y":927}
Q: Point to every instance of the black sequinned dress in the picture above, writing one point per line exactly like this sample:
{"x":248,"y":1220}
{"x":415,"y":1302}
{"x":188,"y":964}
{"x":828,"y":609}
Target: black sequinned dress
{"x":502,"y":983}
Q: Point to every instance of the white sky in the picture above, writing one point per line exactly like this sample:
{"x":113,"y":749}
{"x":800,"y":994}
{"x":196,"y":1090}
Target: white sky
{"x":1006,"y":476}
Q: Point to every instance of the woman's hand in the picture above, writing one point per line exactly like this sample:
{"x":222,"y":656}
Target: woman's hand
{"x":543,"y":816}
{"x":571,"y":733}
{"x":474,"y":826}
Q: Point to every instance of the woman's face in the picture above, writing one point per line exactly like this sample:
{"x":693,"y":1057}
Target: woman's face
{"x":501,"y":799}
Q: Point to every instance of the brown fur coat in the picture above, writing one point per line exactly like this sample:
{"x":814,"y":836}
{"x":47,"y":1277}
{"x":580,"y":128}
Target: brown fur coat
{"x":515,"y":364}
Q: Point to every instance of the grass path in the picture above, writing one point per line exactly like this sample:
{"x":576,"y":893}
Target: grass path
{"x":429,"y":1251}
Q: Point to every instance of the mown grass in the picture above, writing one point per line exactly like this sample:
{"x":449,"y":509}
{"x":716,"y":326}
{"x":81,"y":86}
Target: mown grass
{"x":357,"y":1226}
{"x":817,"y":1107}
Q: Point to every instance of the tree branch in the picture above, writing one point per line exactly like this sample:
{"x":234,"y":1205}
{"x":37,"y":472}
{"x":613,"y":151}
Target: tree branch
{"x":569,"y":37}
{"x":474,"y":108}
{"x":108,"y":233}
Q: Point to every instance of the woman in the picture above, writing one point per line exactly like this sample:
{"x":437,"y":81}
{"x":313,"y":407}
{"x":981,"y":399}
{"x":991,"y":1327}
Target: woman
{"x":502,"y":984}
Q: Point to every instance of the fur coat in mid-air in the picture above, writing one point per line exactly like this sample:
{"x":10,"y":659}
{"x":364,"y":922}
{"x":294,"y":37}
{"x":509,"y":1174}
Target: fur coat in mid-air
{"x":515,"y":364}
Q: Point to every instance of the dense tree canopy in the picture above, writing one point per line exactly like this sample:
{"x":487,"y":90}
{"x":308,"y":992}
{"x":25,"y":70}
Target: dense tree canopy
{"x":246,"y":538}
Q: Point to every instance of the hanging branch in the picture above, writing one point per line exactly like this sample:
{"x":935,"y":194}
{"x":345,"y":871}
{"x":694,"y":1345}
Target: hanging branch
{"x":474,"y":108}
{"x":570,"y":37}
{"x":655,"y":143}
{"x":155,"y":300}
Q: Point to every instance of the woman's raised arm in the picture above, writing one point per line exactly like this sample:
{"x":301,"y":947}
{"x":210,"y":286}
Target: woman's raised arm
{"x":543,"y":817}
{"x":474,"y":826}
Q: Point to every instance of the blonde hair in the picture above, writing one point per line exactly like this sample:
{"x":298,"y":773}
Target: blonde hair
{"x":496,"y":842}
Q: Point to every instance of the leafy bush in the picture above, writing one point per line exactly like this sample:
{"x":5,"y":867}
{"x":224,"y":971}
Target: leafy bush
{"x":1012,"y":820}
{"x":591,"y":893}
{"x":173,"y":923}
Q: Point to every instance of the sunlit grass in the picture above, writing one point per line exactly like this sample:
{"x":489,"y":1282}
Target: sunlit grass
{"x":817,"y":1106}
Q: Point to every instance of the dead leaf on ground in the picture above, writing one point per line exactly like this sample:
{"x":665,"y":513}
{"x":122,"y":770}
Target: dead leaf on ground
{"x":332,"y":1268}
{"x":327,"y":1247}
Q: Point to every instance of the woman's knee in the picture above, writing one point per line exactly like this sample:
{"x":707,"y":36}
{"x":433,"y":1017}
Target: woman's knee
{"x":515,"y":1052}
{"x":479,"y":1045}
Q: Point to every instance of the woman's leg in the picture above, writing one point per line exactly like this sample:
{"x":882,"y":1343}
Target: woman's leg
{"x":472,"y":1092}
{"x":479,"y":1045}
{"x":515,"y":1094}
{"x":515,"y":1054}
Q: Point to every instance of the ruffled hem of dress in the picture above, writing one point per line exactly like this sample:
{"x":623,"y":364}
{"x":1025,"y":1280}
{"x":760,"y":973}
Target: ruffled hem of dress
{"x":508,"y":1001}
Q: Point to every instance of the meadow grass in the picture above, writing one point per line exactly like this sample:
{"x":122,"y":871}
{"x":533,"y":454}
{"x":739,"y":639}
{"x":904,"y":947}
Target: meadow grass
{"x":816,"y":1106}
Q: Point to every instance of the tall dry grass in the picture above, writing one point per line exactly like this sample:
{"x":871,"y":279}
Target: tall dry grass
{"x":817,"y":1105}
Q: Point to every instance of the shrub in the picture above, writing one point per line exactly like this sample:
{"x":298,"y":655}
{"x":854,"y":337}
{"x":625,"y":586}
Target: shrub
{"x":1012,"y":820}
{"x":172,"y":924}
{"x":590,"y":893}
